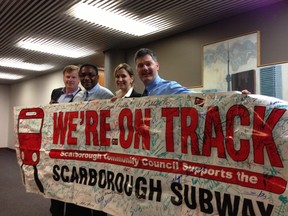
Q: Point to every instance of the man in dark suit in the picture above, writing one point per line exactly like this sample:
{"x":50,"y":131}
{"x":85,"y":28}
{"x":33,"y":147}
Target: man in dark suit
{"x":71,"y":81}
{"x":65,"y":95}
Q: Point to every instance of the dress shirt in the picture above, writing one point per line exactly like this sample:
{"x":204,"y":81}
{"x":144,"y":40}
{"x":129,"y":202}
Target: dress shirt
{"x":66,"y":98}
{"x":165,"y":87}
{"x":97,"y":92}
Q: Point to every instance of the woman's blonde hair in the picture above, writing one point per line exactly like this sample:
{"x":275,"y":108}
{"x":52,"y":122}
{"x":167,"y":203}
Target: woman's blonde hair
{"x":126,"y":67}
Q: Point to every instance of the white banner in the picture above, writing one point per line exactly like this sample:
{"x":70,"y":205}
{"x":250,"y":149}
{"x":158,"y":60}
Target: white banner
{"x":198,"y":154}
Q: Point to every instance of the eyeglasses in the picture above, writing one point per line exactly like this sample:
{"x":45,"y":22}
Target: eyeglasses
{"x":90,"y":75}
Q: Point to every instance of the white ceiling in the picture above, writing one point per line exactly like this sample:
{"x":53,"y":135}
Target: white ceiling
{"x":20,"y":19}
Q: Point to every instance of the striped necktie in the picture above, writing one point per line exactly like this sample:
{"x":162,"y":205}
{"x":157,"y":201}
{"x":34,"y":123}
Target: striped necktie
{"x":145,"y":93}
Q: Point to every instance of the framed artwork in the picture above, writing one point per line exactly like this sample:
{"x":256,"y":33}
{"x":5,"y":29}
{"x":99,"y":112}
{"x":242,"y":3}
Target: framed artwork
{"x":237,"y":57}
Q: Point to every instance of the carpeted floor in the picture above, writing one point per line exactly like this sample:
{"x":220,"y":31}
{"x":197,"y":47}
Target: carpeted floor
{"x":14,"y":201}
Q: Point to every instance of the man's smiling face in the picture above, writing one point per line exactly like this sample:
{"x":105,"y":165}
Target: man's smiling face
{"x":147,"y":69}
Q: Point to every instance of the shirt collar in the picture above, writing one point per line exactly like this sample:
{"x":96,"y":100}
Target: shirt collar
{"x":154,"y":83}
{"x":128,"y":93}
{"x":119,"y":93}
{"x":73,"y":93}
{"x":93,"y":89}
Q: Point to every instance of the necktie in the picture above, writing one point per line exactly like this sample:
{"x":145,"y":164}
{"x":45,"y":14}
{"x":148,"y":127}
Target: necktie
{"x":145,"y":93}
{"x":86,"y":96}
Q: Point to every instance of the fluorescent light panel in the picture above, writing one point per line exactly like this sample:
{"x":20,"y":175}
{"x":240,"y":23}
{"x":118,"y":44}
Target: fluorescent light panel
{"x":10,"y":76}
{"x":54,"y":47}
{"x":17,"y":63}
{"x":112,"y":20}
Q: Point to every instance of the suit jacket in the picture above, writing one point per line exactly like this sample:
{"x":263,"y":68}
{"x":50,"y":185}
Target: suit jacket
{"x":56,"y":93}
{"x":135,"y":94}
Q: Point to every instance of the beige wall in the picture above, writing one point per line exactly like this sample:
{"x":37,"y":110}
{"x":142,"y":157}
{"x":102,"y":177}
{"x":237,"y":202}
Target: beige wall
{"x":4,"y":114}
{"x":29,"y":93}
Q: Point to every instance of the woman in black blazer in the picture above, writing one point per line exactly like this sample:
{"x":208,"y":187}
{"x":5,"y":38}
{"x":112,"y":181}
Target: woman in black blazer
{"x":124,"y":79}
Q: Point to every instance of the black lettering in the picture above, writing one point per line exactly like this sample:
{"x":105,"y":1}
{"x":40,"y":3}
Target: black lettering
{"x":128,"y":185}
{"x":119,"y":180}
{"x":83,"y":175}
{"x":74,"y":175}
{"x":226,"y":205}
{"x":64,"y":178}
{"x":92,"y":177}
{"x":205,"y":198}
{"x":193,"y":203}
{"x":102,"y":179}
{"x":175,"y":187}
{"x":140,"y":192}
{"x":261,"y":207}
{"x":248,"y":208}
{"x":157,"y":189}
{"x":56,"y":175}
{"x":110,"y":178}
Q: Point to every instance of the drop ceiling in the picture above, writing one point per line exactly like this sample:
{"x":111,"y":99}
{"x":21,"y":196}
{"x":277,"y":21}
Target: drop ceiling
{"x":49,"y":19}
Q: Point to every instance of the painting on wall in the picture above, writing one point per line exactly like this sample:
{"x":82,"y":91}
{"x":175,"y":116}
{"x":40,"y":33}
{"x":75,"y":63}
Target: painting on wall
{"x":236,"y":57}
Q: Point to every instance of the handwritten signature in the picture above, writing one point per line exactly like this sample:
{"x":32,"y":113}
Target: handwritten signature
{"x":261,"y":194}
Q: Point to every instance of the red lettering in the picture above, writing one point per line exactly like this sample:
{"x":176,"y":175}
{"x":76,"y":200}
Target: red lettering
{"x":72,"y":127}
{"x":60,"y":127}
{"x":104,"y":127}
{"x":169,"y":113}
{"x":138,"y":128}
{"x":91,"y":127}
{"x":189,"y":123}
{"x":126,"y":114}
{"x":213,"y":121}
{"x":142,"y":126}
{"x":263,"y":137}
{"x":242,"y":113}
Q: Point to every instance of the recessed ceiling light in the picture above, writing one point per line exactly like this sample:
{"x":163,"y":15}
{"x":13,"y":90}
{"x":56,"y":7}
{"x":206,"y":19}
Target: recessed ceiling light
{"x":54,"y":47}
{"x":121,"y":21}
{"x":17,"y":63}
{"x":10,"y":76}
